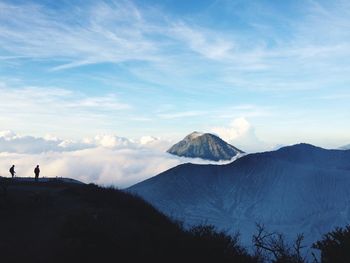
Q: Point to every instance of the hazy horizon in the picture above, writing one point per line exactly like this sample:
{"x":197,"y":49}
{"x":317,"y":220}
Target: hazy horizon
{"x":103,"y":159}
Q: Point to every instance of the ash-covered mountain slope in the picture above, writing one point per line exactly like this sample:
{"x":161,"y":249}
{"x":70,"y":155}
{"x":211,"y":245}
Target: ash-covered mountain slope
{"x":206,"y":146}
{"x":296,"y":189}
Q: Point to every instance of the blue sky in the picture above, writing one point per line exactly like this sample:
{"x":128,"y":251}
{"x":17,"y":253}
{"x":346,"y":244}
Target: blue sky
{"x":268,"y":72}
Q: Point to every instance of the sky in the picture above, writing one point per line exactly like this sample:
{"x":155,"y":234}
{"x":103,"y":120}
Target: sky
{"x":259,"y":74}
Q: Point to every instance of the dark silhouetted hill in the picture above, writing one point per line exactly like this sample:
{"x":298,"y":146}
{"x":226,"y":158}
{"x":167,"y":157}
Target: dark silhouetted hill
{"x":60,"y":221}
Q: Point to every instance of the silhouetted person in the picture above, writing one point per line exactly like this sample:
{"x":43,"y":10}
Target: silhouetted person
{"x":36,"y":172}
{"x":12,"y":171}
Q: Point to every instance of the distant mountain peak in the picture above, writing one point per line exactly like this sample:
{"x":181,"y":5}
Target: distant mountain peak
{"x":206,"y":146}
{"x":301,"y":146}
{"x":306,"y":145}
{"x":194,"y":135}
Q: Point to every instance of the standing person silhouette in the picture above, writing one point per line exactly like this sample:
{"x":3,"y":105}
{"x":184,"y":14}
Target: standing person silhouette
{"x":12,"y":171}
{"x":37,"y":172}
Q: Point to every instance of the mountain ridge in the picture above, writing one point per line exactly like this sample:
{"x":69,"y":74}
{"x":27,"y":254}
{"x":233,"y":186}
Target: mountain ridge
{"x":296,"y":188}
{"x":345,"y":147}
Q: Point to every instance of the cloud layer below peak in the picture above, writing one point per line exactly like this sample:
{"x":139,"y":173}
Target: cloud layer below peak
{"x":103,"y":159}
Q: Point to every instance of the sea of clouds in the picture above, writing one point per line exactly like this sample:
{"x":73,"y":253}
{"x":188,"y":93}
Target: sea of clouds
{"x":103,"y":159}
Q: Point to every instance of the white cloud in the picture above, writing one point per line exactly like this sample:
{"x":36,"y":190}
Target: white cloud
{"x":147,"y":140}
{"x":237,"y":128}
{"x":106,"y":166}
{"x":111,"y":141}
{"x":155,"y":143}
{"x":241,"y":134}
{"x":7,"y":135}
{"x":104,"y":159}
{"x":13,"y":143}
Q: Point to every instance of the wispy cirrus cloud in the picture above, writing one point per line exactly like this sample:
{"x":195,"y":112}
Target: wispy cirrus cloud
{"x":53,"y":100}
{"x":56,"y":109}
{"x":120,"y":31}
{"x":91,"y":34}
{"x":208,"y":43}
{"x":107,"y":102}
{"x":235,"y":53}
